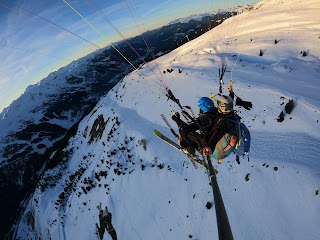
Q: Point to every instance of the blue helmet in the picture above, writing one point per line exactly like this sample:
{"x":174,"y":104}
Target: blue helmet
{"x":206,"y":104}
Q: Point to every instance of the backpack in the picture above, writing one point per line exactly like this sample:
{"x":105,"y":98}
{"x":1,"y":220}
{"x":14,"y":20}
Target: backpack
{"x":243,"y":138}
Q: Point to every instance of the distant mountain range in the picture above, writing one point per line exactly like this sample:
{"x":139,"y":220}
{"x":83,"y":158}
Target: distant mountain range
{"x":34,"y":126}
{"x":196,"y":17}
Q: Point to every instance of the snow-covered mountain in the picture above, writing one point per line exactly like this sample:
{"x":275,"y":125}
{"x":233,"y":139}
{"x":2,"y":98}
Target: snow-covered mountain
{"x":113,"y":179}
{"x":39,"y":121}
{"x":221,"y":14}
{"x":40,"y":118}
{"x":197,"y":17}
{"x":205,"y":17}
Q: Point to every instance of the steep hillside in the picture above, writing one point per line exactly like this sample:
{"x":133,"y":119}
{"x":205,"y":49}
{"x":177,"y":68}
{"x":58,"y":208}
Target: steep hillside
{"x":115,"y":180}
{"x":39,"y":121}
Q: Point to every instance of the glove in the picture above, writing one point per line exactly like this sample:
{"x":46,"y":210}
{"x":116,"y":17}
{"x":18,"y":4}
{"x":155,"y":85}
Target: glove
{"x":245,"y":104}
{"x":206,"y":151}
{"x":175,"y":117}
{"x":230,"y":88}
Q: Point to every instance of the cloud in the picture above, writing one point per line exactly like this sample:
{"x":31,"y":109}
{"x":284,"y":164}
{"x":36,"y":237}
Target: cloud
{"x":158,"y":8}
{"x":113,"y":9}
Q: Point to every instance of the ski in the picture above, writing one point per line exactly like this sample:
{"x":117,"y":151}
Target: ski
{"x":163,"y":117}
{"x":192,"y":157}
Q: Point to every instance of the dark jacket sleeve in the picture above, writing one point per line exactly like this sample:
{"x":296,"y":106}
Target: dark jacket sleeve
{"x":185,"y":129}
{"x":231,"y":94}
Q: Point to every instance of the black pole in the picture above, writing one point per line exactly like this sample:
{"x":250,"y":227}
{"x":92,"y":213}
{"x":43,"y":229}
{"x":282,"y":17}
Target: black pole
{"x":184,"y":113}
{"x":224,"y":229}
{"x":221,"y":74}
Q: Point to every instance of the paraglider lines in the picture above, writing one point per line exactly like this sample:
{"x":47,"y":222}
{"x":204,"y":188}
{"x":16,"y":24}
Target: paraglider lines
{"x":103,"y":36}
{"x":47,"y":20}
{"x":121,"y":35}
{"x":148,"y":45}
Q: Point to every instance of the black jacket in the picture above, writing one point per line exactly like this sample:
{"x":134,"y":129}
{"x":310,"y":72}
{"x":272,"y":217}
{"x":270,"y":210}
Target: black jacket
{"x":219,"y":128}
{"x":212,"y":127}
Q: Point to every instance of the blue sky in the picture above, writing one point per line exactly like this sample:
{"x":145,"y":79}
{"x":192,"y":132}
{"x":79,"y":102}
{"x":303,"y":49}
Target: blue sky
{"x":31,"y":47}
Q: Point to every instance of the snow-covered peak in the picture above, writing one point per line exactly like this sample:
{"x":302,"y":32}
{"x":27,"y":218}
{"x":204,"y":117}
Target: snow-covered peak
{"x":197,"y":17}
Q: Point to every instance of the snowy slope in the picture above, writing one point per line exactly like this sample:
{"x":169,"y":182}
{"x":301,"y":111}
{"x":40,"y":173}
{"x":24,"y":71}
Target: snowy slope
{"x":33,"y":106}
{"x":29,"y":107}
{"x":114,"y":164}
